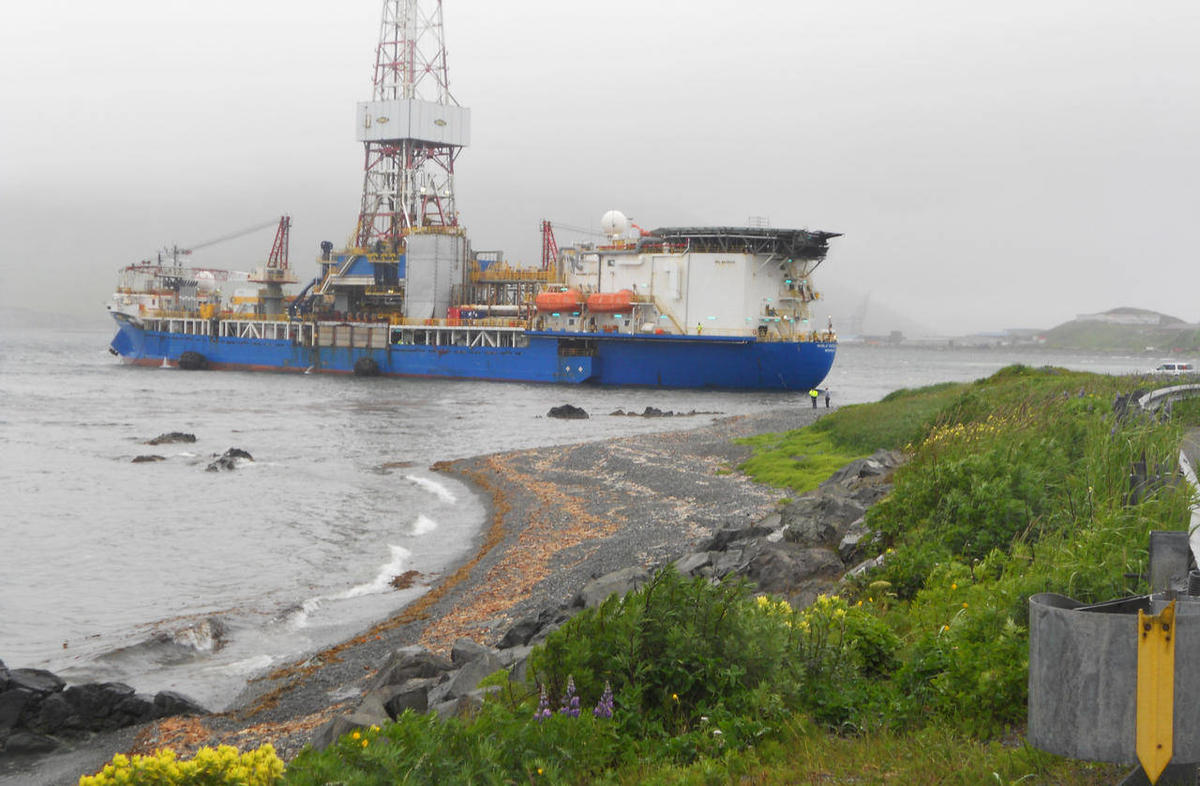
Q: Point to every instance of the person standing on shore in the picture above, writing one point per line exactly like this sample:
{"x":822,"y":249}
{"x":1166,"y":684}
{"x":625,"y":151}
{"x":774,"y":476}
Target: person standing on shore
{"x":813,"y":395}
{"x":826,"y":398}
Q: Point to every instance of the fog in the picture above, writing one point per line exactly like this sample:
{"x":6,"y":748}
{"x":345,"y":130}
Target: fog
{"x":991,"y":165}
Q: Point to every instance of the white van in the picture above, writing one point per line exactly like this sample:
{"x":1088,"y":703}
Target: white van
{"x":1175,"y":369}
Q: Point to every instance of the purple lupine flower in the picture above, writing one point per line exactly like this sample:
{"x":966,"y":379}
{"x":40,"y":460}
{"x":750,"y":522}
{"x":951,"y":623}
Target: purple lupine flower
{"x":543,"y":708}
{"x":604,"y":708}
{"x":570,"y":702}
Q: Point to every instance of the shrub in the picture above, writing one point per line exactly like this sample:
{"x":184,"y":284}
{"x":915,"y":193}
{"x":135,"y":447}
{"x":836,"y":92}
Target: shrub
{"x":209,"y":767}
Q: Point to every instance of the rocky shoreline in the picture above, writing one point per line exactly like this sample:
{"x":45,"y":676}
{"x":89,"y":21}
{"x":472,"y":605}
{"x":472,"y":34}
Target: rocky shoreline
{"x":569,"y":525}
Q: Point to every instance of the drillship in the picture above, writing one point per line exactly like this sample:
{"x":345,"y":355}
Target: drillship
{"x":680,"y":307}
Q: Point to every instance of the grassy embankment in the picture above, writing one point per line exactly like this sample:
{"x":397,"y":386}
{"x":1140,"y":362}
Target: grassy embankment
{"x":915,"y":674}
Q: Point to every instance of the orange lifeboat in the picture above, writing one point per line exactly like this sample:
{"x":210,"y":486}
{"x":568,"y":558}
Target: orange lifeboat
{"x":559,"y":301}
{"x":610,"y":302}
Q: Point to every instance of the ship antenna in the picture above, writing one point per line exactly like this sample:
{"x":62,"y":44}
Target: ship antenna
{"x":412,"y":129}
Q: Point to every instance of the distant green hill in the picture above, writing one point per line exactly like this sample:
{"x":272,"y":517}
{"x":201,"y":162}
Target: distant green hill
{"x":1168,"y":334}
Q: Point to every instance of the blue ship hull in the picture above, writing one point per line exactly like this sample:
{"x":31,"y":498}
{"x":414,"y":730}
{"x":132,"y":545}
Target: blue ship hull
{"x":668,"y":361}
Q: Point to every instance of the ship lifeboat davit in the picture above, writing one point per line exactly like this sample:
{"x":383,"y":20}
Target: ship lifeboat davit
{"x":559,"y":301}
{"x":610,"y":302}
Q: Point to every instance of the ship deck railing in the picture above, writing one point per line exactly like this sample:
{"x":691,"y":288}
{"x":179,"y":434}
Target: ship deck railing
{"x":485,"y":331}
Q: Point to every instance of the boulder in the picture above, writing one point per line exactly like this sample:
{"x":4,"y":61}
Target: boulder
{"x":328,"y":734}
{"x":879,"y":464}
{"x":134,"y":709}
{"x":12,"y":702}
{"x":620,"y":582}
{"x":94,"y":705}
{"x":36,"y":681}
{"x":721,"y":540}
{"x":407,"y":663}
{"x":690,"y":564}
{"x":520,"y":633}
{"x":147,"y":459}
{"x":412,"y":695}
{"x":856,"y":536}
{"x":814,"y":520}
{"x":26,"y":742}
{"x":567,"y":412}
{"x":168,"y":703}
{"x":726,"y":562}
{"x":464,"y":651}
{"x":518,"y":666}
{"x":228,"y":460}
{"x":172,"y":437}
{"x":781,"y":568}
{"x":469,"y":676}
{"x":54,"y":715}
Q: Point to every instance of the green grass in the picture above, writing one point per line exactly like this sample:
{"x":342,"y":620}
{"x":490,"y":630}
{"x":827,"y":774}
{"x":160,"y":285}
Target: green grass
{"x":798,"y":460}
{"x":804,"y":753}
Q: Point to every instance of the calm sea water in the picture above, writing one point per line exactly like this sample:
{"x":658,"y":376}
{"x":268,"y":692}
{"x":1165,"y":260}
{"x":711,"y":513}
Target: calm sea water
{"x":165,"y":576}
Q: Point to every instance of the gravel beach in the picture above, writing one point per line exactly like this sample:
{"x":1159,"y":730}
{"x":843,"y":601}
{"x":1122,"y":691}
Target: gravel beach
{"x":559,"y":516}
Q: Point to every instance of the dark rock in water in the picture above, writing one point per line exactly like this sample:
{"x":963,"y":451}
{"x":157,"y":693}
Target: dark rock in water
{"x":193,"y":361}
{"x":37,"y":681}
{"x":168,"y":703}
{"x":567,"y":412}
{"x":145,"y":459}
{"x":655,"y":412}
{"x":172,"y":437}
{"x":366,"y":367}
{"x":228,"y":460}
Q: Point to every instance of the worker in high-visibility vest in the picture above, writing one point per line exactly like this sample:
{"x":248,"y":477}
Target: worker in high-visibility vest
{"x":813,"y":394}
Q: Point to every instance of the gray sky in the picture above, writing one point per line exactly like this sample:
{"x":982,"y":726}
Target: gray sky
{"x":991,"y":165}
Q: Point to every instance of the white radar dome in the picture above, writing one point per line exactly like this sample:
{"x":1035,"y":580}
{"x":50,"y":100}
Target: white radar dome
{"x":614,"y":223}
{"x":205,"y":281}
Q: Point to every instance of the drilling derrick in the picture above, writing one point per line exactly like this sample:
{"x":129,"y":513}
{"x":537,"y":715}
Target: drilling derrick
{"x":412,"y":130}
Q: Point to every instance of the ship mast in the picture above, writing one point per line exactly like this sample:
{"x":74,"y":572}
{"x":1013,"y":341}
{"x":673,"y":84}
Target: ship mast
{"x":412,"y":130}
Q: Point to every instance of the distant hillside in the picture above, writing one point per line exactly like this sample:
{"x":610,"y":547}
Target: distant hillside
{"x":1126,"y":329}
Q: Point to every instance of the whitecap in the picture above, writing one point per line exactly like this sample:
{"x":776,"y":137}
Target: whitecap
{"x":383,"y":579}
{"x":423,"y":525}
{"x":433,"y":487}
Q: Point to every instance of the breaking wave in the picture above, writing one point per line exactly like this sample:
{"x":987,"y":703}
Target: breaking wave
{"x":423,"y":525}
{"x":177,"y":645}
{"x":433,"y":487}
{"x":383,"y":579}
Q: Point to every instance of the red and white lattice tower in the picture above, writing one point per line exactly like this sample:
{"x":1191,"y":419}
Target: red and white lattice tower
{"x":412,"y":129}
